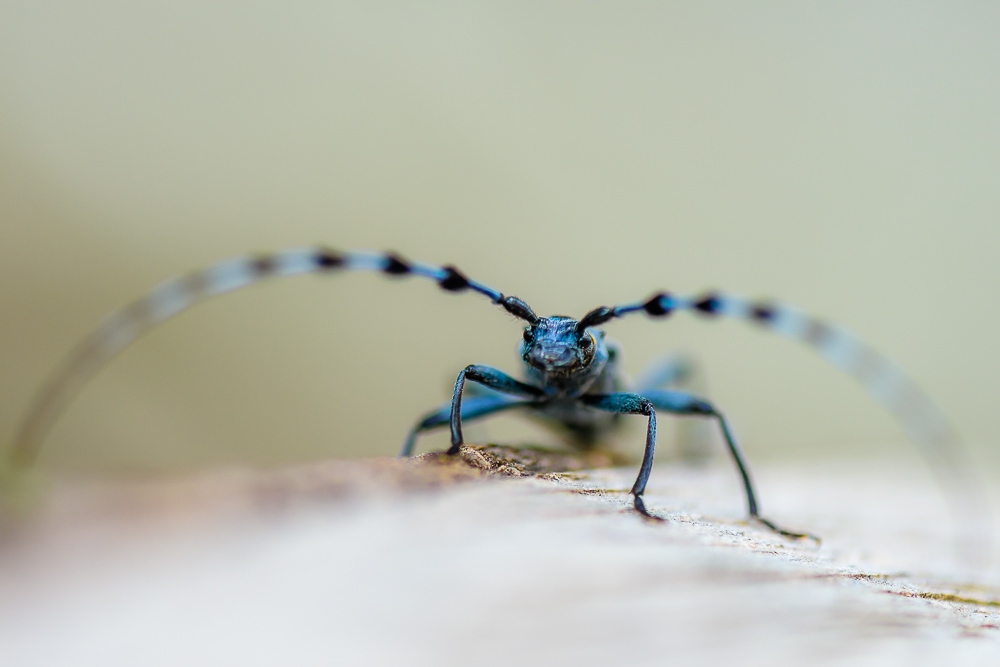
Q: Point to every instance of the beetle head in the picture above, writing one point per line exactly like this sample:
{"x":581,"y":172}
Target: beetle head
{"x":554,"y":346}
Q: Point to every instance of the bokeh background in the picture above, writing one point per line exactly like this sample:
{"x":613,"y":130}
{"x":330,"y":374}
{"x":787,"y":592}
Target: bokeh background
{"x":841,"y":156}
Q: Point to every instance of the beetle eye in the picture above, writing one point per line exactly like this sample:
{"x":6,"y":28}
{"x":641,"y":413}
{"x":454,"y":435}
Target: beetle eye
{"x":527,"y":335}
{"x":586,"y":341}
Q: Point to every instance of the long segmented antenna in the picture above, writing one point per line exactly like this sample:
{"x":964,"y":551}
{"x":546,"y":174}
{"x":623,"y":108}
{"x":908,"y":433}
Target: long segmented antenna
{"x":883,"y":379}
{"x":178,"y":294}
{"x":921,"y":419}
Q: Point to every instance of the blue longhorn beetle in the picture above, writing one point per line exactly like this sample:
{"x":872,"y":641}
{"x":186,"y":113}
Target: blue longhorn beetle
{"x":572,"y":375}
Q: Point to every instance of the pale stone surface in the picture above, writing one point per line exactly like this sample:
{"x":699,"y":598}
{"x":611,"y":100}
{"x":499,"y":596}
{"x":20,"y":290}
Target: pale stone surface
{"x":434,"y":562}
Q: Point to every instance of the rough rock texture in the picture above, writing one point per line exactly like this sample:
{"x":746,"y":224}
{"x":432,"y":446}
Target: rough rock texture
{"x":502,"y":556}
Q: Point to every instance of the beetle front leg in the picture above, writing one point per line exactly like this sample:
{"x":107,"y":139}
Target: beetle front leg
{"x":492,"y":378}
{"x":632,"y":404}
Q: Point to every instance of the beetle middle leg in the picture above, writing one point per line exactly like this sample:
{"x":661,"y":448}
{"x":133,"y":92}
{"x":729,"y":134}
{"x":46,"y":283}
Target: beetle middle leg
{"x":674,"y":370}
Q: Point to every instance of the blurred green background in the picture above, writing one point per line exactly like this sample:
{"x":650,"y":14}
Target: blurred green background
{"x":841,"y":156}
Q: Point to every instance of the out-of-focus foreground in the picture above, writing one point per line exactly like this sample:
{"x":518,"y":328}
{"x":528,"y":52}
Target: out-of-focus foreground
{"x":360,"y":563}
